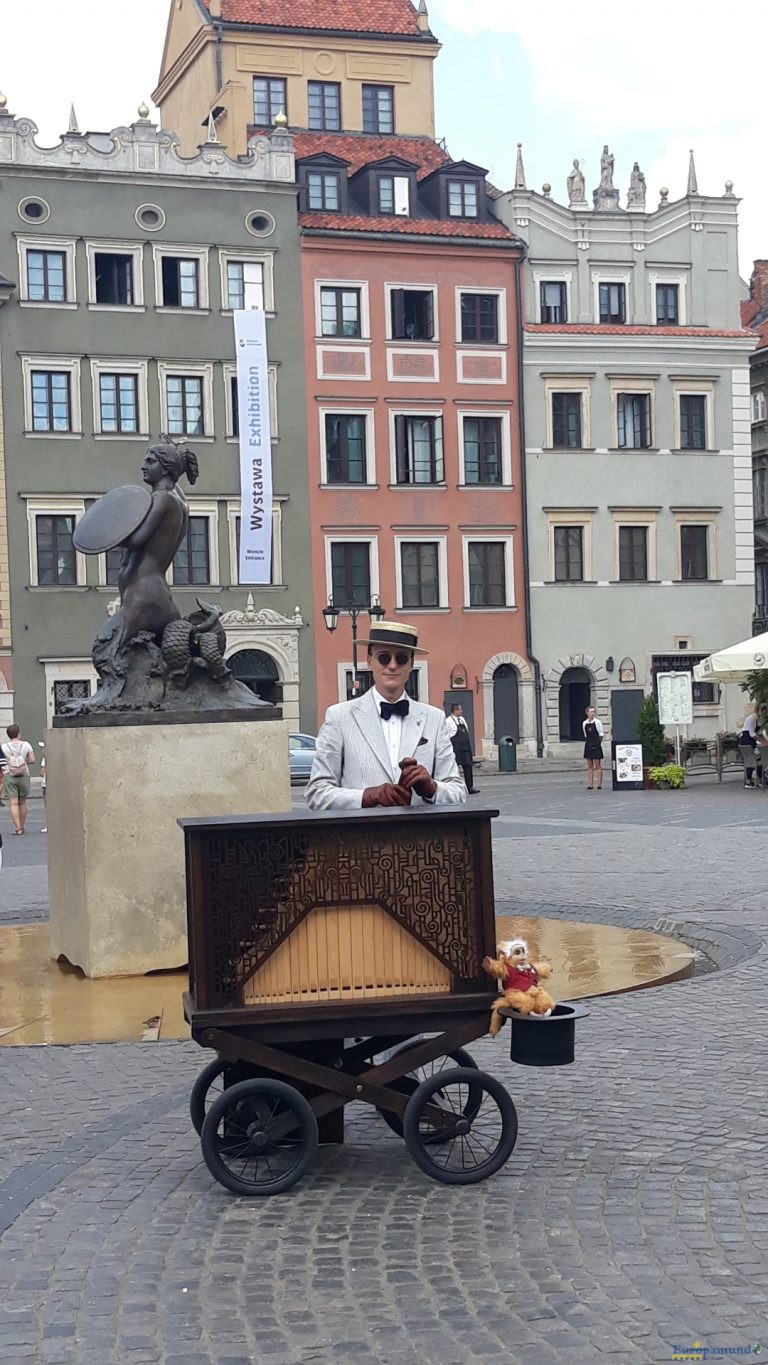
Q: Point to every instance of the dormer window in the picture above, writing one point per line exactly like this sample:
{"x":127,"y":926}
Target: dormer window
{"x":323,"y":191}
{"x":463,"y":199}
{"x":394,"y":195}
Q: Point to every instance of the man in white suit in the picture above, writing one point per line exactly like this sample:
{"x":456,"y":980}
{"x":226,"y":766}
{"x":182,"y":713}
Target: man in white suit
{"x":382,"y":749}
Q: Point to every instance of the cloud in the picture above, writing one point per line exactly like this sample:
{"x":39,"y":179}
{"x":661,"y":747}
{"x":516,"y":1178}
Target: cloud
{"x":676,"y":71}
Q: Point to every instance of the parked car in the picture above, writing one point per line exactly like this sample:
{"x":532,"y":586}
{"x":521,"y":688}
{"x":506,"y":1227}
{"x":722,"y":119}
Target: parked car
{"x":302,"y":752}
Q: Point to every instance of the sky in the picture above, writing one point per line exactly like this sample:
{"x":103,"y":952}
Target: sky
{"x":562,"y":78}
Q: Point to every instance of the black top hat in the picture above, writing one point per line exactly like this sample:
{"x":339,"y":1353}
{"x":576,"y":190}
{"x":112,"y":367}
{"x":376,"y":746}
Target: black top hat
{"x":395,"y":633}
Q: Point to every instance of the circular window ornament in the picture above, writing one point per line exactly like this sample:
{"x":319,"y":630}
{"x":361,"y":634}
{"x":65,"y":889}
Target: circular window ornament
{"x":150,"y":217}
{"x":34,"y":210}
{"x":260,"y":224}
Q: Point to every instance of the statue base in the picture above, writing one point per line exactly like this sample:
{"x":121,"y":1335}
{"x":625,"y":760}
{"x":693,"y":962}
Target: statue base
{"x":116,"y":786}
{"x":605,"y":200}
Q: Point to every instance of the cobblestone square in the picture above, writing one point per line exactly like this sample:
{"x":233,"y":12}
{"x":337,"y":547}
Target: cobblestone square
{"x":630,"y":1222}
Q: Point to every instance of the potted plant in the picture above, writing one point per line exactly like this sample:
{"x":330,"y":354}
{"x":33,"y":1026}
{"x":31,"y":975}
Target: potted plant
{"x":668,"y":775}
{"x":650,"y":733}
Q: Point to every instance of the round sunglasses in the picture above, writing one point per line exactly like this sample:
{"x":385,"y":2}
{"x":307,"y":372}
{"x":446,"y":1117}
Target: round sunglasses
{"x":402,"y":657}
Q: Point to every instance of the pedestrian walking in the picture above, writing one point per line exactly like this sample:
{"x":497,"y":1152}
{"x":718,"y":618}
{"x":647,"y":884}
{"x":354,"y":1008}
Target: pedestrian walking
{"x":593,"y":748}
{"x":458,"y":731}
{"x":18,"y":755}
{"x":748,"y":745}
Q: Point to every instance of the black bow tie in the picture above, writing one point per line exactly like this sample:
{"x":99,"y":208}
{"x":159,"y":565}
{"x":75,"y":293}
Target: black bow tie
{"x":393,"y":708}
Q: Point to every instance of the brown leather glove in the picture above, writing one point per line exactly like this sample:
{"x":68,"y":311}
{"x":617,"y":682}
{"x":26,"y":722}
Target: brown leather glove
{"x":415,"y":778}
{"x":386,"y":795}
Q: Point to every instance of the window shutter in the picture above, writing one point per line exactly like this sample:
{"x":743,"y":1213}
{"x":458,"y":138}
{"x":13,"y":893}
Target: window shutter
{"x":401,"y":453}
{"x":398,"y":314}
{"x":429,"y":316}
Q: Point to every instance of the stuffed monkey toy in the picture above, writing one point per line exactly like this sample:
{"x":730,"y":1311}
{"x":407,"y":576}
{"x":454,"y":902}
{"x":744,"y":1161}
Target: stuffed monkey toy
{"x":518,"y":979}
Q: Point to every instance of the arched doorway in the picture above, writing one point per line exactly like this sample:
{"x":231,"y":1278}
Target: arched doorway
{"x":505,"y":703}
{"x":575,"y":697}
{"x":259,"y":672}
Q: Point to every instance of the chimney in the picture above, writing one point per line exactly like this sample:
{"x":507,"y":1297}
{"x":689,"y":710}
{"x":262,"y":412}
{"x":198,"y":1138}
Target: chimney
{"x":422,"y":18}
{"x":215,"y":8}
{"x":758,"y":285}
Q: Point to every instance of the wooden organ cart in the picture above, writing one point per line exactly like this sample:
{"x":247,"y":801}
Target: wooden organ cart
{"x":323,"y":948}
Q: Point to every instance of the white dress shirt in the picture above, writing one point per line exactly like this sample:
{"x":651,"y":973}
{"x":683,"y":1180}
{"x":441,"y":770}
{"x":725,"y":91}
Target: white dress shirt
{"x":393,"y":729}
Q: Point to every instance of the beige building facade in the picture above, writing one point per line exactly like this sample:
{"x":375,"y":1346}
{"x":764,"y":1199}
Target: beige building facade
{"x":340,"y":75}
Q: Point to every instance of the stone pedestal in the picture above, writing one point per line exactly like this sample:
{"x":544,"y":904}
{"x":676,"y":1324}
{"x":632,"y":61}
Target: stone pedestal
{"x":115,"y":852}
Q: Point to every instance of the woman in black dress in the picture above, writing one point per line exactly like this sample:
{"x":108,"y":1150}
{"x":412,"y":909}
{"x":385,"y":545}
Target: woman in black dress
{"x":593,"y":748}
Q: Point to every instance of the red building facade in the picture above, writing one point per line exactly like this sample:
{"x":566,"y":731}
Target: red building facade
{"x":412,"y":333}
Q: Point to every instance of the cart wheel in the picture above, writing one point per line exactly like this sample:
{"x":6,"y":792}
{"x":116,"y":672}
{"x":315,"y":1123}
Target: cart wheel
{"x":259,"y":1137}
{"x":207,"y":1088}
{"x":480,"y":1133}
{"x":410,"y":1082}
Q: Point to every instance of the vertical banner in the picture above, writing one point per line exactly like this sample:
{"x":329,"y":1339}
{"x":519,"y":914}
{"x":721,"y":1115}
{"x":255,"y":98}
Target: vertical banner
{"x":255,"y":563}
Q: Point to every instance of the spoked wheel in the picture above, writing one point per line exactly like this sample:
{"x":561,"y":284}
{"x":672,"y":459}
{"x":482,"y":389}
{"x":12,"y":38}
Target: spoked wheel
{"x":409,"y":1084}
{"x":211,"y":1083}
{"x":460,"y":1126}
{"x":259,"y":1137}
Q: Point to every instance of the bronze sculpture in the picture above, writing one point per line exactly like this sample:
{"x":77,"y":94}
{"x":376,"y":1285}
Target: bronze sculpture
{"x":146,"y":655}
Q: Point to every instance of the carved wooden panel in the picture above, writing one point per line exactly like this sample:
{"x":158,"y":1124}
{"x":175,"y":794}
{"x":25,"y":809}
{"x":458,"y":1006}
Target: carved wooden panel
{"x":260,"y":885}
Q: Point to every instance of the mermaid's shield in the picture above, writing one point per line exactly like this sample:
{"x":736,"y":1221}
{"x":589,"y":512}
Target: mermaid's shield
{"x":110,"y":521}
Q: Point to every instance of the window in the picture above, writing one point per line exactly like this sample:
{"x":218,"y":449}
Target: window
{"x":269,"y":99}
{"x":378,"y":109}
{"x":667,"y":305}
{"x":566,"y":420}
{"x":633,"y":421}
{"x":51,"y":400}
{"x":119,"y":402}
{"x":323,"y":190}
{"x":340,"y":312}
{"x":394,"y":194}
{"x":71,"y":689}
{"x":633,"y":554}
{"x":245,"y":284}
{"x":180,"y":282}
{"x":345,"y":447}
{"x":612,"y":303}
{"x":569,"y":554}
{"x":480,"y":317}
{"x":191,"y":563}
{"x":351,"y":573}
{"x":46,"y":276}
{"x":419,"y":450}
{"x":325,"y":106}
{"x":482,"y":450}
{"x":56,"y":564}
{"x":553,"y":300}
{"x":758,"y":492}
{"x":412,"y":314}
{"x":693,"y":421}
{"x":462,"y":199}
{"x":758,"y":405}
{"x":761,"y":585}
{"x":486,"y":574}
{"x":420,"y":573}
{"x":694,"y":559}
{"x":184,"y":404}
{"x":114,"y":278}
{"x":112,"y":564}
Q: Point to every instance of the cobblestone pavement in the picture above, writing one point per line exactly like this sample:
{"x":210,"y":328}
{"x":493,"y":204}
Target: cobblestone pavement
{"x":631,"y":1220}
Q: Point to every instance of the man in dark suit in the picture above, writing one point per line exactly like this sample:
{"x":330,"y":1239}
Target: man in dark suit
{"x":462,"y":747}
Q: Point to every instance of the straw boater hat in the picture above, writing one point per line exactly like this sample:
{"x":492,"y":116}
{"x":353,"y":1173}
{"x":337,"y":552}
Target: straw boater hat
{"x":395,"y":633}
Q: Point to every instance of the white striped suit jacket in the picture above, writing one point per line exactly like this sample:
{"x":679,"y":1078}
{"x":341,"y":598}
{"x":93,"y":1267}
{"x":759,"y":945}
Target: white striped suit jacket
{"x":352,"y":754}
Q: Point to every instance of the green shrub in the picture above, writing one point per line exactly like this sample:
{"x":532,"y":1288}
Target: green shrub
{"x":668,"y":775}
{"x":650,"y":733}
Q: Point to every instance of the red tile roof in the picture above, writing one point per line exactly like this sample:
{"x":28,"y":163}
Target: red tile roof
{"x":419,"y":227}
{"x":605,"y":329}
{"x":360,"y":149}
{"x":332,"y":16}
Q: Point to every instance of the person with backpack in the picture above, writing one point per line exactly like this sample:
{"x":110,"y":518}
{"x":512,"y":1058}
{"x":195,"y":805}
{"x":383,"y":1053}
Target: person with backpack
{"x":18,"y":755}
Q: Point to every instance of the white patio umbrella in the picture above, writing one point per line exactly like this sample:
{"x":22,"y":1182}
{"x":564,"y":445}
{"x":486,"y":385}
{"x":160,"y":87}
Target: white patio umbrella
{"x":734,"y":663}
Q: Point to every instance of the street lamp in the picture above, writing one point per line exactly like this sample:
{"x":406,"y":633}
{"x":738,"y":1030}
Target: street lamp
{"x":332,"y":612}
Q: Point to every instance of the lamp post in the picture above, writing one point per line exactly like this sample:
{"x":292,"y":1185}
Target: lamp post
{"x":331,"y":615}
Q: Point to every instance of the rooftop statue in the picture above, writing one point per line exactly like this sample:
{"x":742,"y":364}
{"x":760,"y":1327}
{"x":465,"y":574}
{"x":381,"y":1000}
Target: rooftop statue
{"x":147,"y":656}
{"x":606,"y":169}
{"x":636,"y":195}
{"x":605,"y":198}
{"x":575,"y":183}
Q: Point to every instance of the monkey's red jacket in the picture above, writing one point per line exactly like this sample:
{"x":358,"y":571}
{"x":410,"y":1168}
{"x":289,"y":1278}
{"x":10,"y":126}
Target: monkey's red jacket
{"x":518,"y":978}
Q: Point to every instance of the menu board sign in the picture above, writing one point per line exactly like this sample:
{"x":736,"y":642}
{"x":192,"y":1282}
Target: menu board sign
{"x":675,"y":691}
{"x":628,"y":766}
